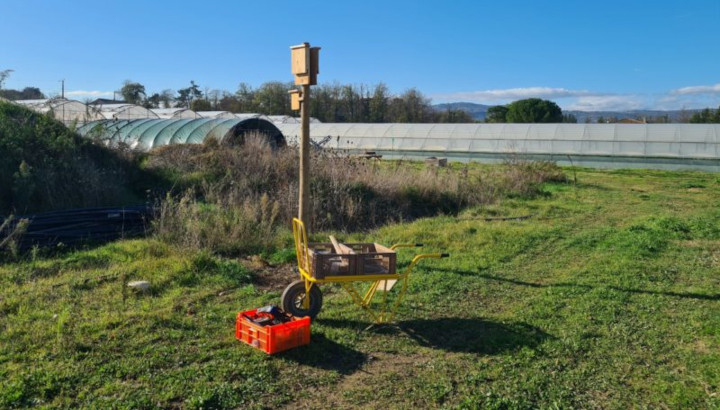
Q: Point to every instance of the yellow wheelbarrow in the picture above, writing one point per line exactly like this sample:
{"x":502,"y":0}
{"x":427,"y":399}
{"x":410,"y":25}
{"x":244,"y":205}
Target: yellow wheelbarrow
{"x":347,"y":264}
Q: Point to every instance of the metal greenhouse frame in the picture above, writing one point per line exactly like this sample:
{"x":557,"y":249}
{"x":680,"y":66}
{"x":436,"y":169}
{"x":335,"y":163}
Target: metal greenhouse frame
{"x":66,"y":111}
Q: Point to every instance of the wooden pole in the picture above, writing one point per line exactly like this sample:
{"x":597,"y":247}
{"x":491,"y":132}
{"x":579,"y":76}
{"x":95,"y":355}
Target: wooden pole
{"x":304,"y":210}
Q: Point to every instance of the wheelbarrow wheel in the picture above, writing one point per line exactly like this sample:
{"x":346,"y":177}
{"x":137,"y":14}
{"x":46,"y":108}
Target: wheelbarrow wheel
{"x":294,"y":295}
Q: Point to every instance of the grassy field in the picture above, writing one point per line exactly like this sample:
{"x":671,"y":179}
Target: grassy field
{"x":607,"y":295}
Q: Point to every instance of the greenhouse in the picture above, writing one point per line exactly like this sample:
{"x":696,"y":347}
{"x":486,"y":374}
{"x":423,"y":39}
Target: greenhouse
{"x":124,"y":112}
{"x":245,"y":116}
{"x":146,"y":134}
{"x":167,"y":113}
{"x":216,"y":114}
{"x":66,"y":111}
{"x":670,"y":146}
{"x":283,"y":119}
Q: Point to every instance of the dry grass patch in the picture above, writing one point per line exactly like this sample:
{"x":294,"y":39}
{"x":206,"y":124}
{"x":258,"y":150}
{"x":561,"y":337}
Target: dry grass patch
{"x":232,"y":199}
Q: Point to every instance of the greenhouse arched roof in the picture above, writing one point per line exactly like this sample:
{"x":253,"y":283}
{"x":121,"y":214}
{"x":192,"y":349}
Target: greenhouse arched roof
{"x":66,"y":111}
{"x":124,"y":111}
{"x":146,"y":134}
{"x":283,"y":119}
{"x":167,"y":113}
{"x":215,"y":114}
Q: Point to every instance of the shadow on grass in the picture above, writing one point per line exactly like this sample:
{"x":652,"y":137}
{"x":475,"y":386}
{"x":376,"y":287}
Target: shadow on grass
{"x":326,"y":354}
{"x":470,"y":335}
{"x":689,"y":295}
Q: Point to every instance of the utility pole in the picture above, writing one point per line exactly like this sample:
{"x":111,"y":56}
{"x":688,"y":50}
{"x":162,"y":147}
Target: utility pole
{"x":62,"y":92}
{"x":305,"y":61}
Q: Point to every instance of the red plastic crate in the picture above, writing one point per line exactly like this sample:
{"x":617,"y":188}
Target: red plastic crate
{"x":275,"y":338}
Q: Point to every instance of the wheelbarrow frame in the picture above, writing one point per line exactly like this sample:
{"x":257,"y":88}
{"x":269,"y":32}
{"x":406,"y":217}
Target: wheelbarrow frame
{"x":346,"y":282}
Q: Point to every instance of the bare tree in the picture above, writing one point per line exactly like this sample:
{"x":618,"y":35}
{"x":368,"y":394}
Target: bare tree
{"x":4,"y":76}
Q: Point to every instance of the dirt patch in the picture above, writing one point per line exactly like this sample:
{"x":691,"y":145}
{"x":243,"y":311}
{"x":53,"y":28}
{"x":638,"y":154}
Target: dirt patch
{"x":712,"y":245}
{"x":695,"y":189}
{"x":701,"y":347}
{"x":270,"y":278}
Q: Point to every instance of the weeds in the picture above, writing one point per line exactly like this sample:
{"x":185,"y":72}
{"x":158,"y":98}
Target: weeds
{"x":250,"y":227}
{"x":10,"y":233}
{"x":233,"y":199}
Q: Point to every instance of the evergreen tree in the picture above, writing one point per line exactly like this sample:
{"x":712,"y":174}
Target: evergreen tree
{"x":533,"y":110}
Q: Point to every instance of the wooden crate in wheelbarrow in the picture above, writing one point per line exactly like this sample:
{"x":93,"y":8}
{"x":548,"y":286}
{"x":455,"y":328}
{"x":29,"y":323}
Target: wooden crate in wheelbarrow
{"x":327,"y":259}
{"x":357,"y":267}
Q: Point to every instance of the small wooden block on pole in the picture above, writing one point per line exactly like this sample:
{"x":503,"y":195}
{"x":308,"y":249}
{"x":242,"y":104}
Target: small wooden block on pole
{"x":295,"y":98}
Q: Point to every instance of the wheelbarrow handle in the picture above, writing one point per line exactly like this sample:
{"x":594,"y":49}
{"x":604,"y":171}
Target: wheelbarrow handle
{"x":406,"y":245}
{"x":430,"y":255}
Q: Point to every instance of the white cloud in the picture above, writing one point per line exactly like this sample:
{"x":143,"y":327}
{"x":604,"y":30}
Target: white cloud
{"x":88,"y":94}
{"x":697,"y":89}
{"x":584,"y":100}
{"x":608,"y":103}
{"x":511,"y":94}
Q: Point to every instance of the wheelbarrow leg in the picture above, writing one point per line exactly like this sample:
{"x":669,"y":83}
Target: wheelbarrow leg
{"x":355,"y":296}
{"x":306,"y":299}
{"x":371,"y":292}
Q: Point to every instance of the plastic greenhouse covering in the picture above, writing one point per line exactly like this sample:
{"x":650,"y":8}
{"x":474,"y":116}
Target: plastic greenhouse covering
{"x":66,"y":111}
{"x":216,"y":114}
{"x":286,"y":119}
{"x":70,"y":111}
{"x":283,"y":119}
{"x":167,"y":113}
{"x":631,"y":140}
{"x":125,"y":112}
{"x":146,"y":134}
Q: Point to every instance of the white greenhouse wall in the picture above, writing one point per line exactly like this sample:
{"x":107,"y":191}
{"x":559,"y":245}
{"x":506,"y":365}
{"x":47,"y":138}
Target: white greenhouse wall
{"x":477,"y":141}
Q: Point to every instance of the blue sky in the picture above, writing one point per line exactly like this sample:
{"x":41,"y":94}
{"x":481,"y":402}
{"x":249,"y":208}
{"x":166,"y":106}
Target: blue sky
{"x":584,"y":55}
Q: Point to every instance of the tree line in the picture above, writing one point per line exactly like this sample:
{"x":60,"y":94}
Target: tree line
{"x":27,"y":93}
{"x":329,"y":102}
{"x":706,"y":116}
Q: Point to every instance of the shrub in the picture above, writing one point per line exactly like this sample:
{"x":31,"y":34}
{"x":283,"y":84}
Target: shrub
{"x":46,"y":166}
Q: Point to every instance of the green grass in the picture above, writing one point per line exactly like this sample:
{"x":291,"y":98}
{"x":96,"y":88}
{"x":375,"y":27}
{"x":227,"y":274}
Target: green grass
{"x":607,"y":296}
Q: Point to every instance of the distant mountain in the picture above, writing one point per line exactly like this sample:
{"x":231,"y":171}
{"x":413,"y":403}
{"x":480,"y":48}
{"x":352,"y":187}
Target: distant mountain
{"x":478,"y":112}
{"x":647,"y":115}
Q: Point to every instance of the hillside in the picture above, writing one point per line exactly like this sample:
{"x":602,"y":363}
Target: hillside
{"x":672,"y":115}
{"x":45,"y":166}
{"x":478,"y":112}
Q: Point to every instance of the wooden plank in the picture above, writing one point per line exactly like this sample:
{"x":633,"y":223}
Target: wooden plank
{"x":340,"y":248}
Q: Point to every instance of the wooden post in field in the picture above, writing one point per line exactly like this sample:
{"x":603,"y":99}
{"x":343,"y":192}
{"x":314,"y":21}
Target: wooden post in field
{"x":304,"y":61}
{"x":304,"y":196}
